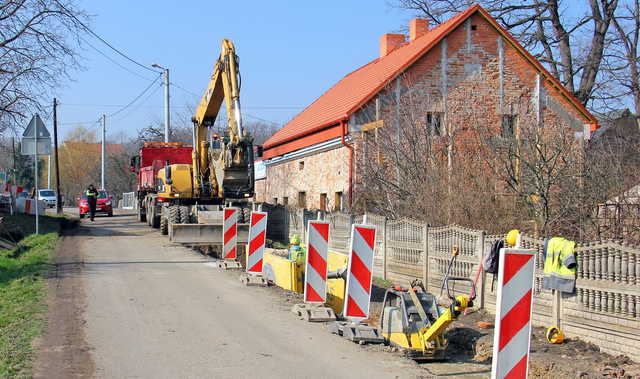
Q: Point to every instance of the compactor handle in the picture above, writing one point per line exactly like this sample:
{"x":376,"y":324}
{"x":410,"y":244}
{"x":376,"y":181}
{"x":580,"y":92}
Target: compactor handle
{"x":454,"y":279}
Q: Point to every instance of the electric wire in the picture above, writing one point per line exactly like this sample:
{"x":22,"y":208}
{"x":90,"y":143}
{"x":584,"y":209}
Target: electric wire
{"x":135,"y":99}
{"x":108,"y":44}
{"x":134,"y":109}
{"x":114,"y":61}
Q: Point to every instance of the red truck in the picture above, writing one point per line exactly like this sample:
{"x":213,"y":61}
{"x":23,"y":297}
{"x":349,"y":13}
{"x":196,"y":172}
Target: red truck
{"x":153,"y":157}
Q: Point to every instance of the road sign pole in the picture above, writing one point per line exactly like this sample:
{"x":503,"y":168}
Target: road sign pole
{"x":35,"y":155}
{"x":55,"y":142}
{"x":103,"y":142}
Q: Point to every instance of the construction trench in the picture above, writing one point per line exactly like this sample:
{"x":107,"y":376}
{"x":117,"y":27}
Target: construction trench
{"x":469,"y":339}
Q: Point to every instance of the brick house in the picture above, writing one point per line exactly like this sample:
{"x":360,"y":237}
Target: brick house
{"x":310,"y":161}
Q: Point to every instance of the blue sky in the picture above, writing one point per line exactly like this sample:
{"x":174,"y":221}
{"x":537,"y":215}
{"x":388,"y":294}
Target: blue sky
{"x":290,"y":52}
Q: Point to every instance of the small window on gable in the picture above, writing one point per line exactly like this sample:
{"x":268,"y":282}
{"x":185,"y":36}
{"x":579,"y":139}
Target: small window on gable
{"x":434,"y":124}
{"x":301,"y":165}
{"x":275,"y":200}
{"x":509,"y":125}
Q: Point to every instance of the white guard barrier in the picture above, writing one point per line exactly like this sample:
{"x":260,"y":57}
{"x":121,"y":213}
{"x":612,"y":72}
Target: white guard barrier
{"x":129,"y":200}
{"x":27,"y":206}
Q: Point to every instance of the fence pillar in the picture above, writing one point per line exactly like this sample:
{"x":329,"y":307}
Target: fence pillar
{"x":480,"y":286}
{"x":384,"y":249}
{"x":425,"y":256}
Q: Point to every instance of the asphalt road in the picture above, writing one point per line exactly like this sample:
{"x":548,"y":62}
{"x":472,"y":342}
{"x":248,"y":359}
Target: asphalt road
{"x":155,"y":310}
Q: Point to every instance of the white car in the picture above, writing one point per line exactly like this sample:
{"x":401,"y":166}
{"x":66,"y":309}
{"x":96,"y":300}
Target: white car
{"x":48,"y":196}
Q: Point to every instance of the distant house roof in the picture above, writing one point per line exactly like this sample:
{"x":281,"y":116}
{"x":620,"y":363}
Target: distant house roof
{"x":360,"y":86}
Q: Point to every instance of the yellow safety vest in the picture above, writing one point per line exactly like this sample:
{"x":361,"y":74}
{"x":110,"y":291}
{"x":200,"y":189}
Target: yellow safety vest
{"x":560,"y":265}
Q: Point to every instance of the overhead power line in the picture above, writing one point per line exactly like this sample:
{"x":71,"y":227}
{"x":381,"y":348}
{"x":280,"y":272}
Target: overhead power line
{"x":110,"y":45}
{"x":136,"y":98}
{"x":114,"y":61}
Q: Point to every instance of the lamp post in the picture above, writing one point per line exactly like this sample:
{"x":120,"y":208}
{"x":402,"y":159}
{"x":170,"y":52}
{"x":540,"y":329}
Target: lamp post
{"x":167,"y":118}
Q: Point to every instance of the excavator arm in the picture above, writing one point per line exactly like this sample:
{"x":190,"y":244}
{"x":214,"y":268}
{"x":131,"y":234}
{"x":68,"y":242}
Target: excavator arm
{"x":224,"y":169}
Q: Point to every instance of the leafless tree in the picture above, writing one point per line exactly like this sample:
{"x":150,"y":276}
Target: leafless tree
{"x":572,"y":48}
{"x":38,"y":43}
{"x":621,"y":65}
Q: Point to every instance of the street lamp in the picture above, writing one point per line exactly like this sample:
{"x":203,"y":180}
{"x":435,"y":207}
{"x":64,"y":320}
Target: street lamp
{"x":165,"y":77}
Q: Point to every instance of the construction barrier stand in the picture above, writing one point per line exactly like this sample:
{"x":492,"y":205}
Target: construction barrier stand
{"x":512,"y":336}
{"x":230,"y":233}
{"x":257,"y":239}
{"x":359,"y":278}
{"x":315,"y":288}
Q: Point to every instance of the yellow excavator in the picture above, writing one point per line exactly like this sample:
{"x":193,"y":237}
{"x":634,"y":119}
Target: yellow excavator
{"x":221,"y":172}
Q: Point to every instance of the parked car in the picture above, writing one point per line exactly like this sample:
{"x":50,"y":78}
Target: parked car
{"x":103,"y":204}
{"x":48,"y":196}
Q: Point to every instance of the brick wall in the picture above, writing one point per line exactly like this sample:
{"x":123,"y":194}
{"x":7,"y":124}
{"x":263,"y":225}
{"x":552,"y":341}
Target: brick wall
{"x":322,"y":173}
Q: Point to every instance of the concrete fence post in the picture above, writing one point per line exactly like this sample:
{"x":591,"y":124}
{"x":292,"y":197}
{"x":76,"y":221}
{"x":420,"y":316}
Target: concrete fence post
{"x":480,"y":285}
{"x":425,"y":256}
{"x":384,"y":248}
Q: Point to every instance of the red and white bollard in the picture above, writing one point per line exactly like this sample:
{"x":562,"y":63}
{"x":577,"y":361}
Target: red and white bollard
{"x":513,"y":313}
{"x":255,"y":253}
{"x":315,"y":275}
{"x":230,"y":239}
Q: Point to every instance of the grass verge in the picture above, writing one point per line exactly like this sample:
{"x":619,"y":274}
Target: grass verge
{"x":23,"y":294}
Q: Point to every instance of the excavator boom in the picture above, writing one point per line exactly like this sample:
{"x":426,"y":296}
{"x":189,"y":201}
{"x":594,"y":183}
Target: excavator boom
{"x":223,"y":165}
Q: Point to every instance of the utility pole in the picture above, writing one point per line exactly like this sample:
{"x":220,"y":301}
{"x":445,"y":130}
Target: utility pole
{"x":55,"y":146}
{"x":15,"y":172}
{"x":104,"y":121}
{"x":35,"y":190}
{"x":167,"y":117}
{"x":49,"y":171}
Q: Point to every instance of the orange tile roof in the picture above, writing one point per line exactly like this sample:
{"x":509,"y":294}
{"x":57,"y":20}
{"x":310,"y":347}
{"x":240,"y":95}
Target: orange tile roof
{"x":358,"y":87}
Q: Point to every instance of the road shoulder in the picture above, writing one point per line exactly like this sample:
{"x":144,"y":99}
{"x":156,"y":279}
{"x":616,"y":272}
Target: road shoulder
{"x":63,"y":351}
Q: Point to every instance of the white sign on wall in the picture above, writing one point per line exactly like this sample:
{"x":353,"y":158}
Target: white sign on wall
{"x":260,"y":170}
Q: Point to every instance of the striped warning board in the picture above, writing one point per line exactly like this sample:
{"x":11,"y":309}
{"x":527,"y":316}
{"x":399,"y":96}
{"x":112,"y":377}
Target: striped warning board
{"x":315,"y":273}
{"x":358,"y":290}
{"x":513,"y":313}
{"x":230,"y":233}
{"x":257,"y":237}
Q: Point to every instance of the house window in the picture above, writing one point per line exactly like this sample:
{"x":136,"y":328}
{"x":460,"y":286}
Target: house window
{"x":275,"y":200}
{"x":337,"y":204}
{"x":509,"y":125}
{"x":285,"y":200}
{"x":323,"y":201}
{"x":434,"y":124}
{"x":302,"y":199}
{"x":301,"y":165}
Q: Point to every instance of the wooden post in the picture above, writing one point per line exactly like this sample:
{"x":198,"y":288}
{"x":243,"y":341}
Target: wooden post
{"x":556,"y":309}
{"x":425,"y":256}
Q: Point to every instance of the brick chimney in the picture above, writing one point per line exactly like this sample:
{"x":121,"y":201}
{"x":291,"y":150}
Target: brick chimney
{"x":417,"y":28}
{"x":390,"y":42}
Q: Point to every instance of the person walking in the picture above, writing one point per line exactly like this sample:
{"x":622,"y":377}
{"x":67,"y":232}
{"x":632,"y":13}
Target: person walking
{"x":92,"y":199}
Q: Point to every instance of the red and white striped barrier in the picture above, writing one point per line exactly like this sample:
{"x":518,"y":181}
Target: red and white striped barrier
{"x":230,"y":233}
{"x":358,"y":288}
{"x":257,"y":239}
{"x":315,"y":273}
{"x":513,"y":313}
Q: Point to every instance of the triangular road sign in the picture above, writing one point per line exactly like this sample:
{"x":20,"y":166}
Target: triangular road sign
{"x":37,"y":124}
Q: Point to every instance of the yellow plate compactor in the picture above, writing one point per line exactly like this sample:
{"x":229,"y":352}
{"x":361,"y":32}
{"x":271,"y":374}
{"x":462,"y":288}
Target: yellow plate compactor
{"x":411,"y":319}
